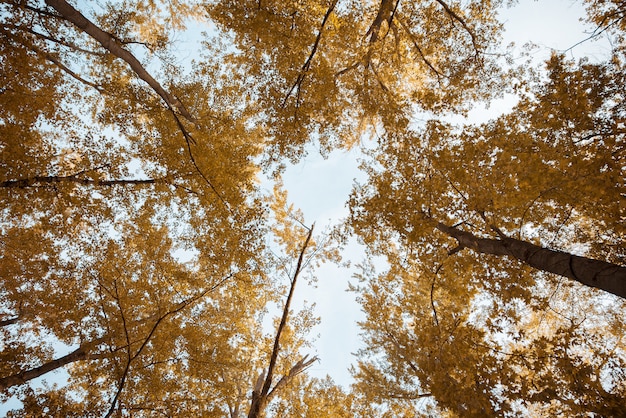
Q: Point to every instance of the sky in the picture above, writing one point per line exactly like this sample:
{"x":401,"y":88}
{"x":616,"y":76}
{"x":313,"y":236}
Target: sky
{"x":321,"y":186}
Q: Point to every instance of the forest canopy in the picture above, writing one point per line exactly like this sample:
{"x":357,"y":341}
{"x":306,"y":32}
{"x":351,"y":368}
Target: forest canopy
{"x":143,"y":253}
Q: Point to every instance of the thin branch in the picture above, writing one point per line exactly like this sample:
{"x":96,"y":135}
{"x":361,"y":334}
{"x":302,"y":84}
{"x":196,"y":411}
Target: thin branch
{"x":561,"y":225}
{"x":179,"y":307}
{"x":42,"y":12}
{"x":432,"y":295}
{"x":128,"y":354}
{"x":459,"y":19}
{"x":43,"y":181}
{"x":419,"y":50}
{"x":72,"y":74}
{"x":52,"y":59}
{"x":381,"y":83}
{"x":530,"y":205}
{"x":307,"y":63}
{"x":348,"y":69}
{"x":600,"y":29}
{"x":189,"y":140}
{"x":58,"y":41}
{"x":303,"y":364}
{"x":10,"y":321}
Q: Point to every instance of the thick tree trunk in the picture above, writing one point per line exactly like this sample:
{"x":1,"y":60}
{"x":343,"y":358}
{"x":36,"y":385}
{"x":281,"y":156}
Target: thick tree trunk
{"x":594,"y":273}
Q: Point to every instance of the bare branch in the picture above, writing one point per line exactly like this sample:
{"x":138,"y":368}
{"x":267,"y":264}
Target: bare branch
{"x":43,"y":181}
{"x":432,"y":295}
{"x":459,"y":19}
{"x":298,"y":368}
{"x":10,"y":321}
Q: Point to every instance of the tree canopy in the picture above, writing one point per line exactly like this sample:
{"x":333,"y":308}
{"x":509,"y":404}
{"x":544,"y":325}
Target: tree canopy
{"x":142,"y":254}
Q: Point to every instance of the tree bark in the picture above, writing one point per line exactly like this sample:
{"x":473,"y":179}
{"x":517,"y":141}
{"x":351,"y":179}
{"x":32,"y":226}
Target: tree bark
{"x":81,"y":353}
{"x":590,"y":272}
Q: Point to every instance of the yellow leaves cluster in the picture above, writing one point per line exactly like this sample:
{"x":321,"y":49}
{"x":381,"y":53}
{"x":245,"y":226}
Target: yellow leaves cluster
{"x":548,"y":171}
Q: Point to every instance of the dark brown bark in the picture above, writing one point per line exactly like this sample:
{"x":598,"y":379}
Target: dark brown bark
{"x":590,"y":272}
{"x":39,"y":181}
{"x":81,"y":353}
{"x":10,"y":321}
{"x":105,"y":39}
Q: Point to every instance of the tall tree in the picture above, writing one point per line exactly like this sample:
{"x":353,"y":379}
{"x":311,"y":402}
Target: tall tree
{"x":132,"y":232}
{"x":470,"y":219}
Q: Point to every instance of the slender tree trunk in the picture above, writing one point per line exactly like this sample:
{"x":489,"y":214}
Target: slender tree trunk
{"x":263,"y":391}
{"x":594,"y":273}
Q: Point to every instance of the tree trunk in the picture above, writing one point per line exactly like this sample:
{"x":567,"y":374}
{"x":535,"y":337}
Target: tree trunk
{"x":81,"y":353}
{"x":594,"y":273}
{"x":263,"y":392}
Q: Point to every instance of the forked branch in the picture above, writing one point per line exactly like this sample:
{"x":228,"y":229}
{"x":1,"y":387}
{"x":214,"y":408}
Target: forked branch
{"x":263,"y":391}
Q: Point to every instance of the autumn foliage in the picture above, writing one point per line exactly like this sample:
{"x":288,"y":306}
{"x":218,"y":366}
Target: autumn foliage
{"x":140,"y":255}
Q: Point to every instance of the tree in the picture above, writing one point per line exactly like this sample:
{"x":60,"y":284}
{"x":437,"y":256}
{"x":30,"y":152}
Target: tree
{"x":471,"y":211}
{"x":358,"y":64}
{"x":263,"y":391}
{"x":135,"y":247}
{"x":512,"y":175}
{"x":105,"y":180}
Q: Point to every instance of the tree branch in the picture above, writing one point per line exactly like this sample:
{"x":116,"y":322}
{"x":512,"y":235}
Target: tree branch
{"x":261,"y":393}
{"x":43,"y":181}
{"x":459,"y":19}
{"x":81,"y":353}
{"x":307,"y":63}
{"x":418,"y":49}
{"x":69,"y":13}
{"x":178,"y":307}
